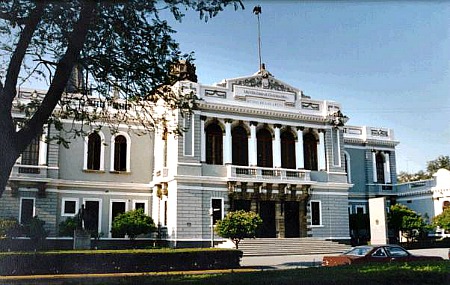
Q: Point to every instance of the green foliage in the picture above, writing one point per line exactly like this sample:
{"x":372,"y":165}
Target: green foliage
{"x":238,"y":225}
{"x":411,"y":224}
{"x":9,"y":228}
{"x":440,"y":162}
{"x":105,"y":63}
{"x":132,"y":223}
{"x":432,"y":167}
{"x":67,"y":227}
{"x":443,"y":220}
{"x":35,"y":230}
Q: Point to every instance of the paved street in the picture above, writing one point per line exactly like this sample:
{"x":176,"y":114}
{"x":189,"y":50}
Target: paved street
{"x":300,"y":261}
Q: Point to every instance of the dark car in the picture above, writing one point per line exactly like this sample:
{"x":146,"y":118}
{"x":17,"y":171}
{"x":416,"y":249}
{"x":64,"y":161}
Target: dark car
{"x":375,"y":253}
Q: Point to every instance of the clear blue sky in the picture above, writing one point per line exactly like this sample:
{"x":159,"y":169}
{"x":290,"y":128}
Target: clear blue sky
{"x":386,"y":62}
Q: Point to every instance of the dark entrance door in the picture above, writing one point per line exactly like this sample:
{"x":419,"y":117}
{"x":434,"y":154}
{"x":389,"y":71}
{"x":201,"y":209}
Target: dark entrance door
{"x":291,"y":219}
{"x":117,"y":209}
{"x":91,"y":215}
{"x":267,"y":214}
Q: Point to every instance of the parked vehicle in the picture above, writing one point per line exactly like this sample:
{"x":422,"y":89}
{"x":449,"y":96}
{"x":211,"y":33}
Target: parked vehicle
{"x":375,"y":253}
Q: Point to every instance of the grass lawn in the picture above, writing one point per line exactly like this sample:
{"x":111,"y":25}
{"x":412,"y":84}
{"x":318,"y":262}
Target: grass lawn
{"x":392,"y":274}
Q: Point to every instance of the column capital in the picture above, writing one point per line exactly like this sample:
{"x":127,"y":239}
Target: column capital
{"x":300,"y":128}
{"x":253,"y":123}
{"x":277,"y":126}
{"x":321,"y":130}
{"x":229,"y":121}
{"x":203,"y":118}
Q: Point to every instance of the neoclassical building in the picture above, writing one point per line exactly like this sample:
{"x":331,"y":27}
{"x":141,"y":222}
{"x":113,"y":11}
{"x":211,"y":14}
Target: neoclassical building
{"x":257,"y":143}
{"x":253,"y":143}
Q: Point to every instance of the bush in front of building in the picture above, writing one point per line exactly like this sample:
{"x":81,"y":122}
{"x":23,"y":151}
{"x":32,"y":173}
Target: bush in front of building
{"x":238,"y":225}
{"x":132,"y":224}
{"x":408,"y":222}
{"x":443,"y":220}
{"x":9,"y":228}
{"x":67,"y":227}
{"x":115,"y":261}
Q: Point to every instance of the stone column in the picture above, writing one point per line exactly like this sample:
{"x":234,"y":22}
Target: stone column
{"x":299,"y":155}
{"x":374,"y":166}
{"x":227,"y":144}
{"x":252,"y":145}
{"x":202,"y":139}
{"x":276,"y":147}
{"x":279,"y":219}
{"x":321,"y":151}
{"x":43,"y":147}
{"x":387,"y":168}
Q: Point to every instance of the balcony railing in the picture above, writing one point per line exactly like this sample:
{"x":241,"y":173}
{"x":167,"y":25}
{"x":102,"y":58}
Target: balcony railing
{"x":32,"y":171}
{"x":268,"y":174}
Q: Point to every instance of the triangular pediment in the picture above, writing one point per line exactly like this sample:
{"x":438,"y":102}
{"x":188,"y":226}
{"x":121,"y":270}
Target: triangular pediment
{"x":261,"y":80}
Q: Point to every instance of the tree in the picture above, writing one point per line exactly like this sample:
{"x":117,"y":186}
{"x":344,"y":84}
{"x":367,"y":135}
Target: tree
{"x":132,"y":224}
{"x":441,"y":162}
{"x":401,"y":218}
{"x":443,"y":220}
{"x":116,"y":49}
{"x":238,"y":225}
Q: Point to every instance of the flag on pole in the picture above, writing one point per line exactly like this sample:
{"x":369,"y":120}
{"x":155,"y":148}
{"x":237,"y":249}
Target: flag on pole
{"x":257,"y":10}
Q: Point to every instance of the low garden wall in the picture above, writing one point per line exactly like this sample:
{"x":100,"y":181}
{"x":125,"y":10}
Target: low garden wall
{"x":113,"y":261}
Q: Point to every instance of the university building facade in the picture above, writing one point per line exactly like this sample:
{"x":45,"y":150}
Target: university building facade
{"x":253,"y":143}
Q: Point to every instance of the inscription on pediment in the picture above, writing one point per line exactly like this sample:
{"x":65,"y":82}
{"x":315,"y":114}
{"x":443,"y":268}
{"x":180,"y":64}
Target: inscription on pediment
{"x":264,"y":83}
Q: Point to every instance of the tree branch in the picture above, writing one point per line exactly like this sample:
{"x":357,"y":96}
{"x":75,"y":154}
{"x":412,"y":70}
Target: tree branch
{"x":9,"y":90}
{"x":62,"y":75}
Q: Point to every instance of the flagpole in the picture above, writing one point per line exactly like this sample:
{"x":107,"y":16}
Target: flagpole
{"x":257,"y":11}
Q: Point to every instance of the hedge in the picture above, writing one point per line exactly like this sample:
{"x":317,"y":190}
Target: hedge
{"x":99,"y":261}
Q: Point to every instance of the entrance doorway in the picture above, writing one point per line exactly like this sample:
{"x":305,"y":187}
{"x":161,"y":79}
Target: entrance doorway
{"x":291,"y":219}
{"x":117,"y":208}
{"x":92,"y":216}
{"x":267,"y":214}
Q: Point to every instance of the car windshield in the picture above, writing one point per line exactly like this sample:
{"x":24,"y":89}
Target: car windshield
{"x":359,"y":251}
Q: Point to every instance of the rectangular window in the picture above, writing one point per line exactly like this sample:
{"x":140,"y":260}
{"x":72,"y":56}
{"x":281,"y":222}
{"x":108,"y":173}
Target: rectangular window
{"x":69,"y":207}
{"x":30,"y":156}
{"x":217,"y":211}
{"x":188,"y":136}
{"x":26,"y":210}
{"x":140,"y":204}
{"x":360,"y":209}
{"x":316,"y":219}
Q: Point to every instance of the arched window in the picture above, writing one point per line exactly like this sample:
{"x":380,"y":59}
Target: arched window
{"x":310,"y":151}
{"x":120,"y":153}
{"x":264,"y":146}
{"x":240,"y":146}
{"x":214,"y":145}
{"x":287,"y":150}
{"x":379,"y":161}
{"x":94,"y":151}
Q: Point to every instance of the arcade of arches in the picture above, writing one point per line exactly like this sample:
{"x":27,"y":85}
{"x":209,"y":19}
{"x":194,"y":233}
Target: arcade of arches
{"x":282,"y":207}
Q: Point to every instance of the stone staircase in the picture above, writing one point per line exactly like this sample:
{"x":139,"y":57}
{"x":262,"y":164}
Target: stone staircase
{"x":289,"y":246}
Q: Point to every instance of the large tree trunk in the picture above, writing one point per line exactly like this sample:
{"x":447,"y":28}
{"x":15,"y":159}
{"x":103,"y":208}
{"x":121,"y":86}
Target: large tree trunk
{"x":8,"y":150}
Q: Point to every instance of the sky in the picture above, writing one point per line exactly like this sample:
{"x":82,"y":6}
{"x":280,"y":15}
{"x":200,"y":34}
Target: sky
{"x":386,"y":62}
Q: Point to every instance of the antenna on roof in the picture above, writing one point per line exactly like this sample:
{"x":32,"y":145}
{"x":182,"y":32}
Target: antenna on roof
{"x":257,"y":11}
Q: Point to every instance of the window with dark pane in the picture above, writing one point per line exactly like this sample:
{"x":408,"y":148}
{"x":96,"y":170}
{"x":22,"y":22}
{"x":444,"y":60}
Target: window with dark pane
{"x":94,"y":151}
{"x":287,"y":150}
{"x":310,"y":151}
{"x":240,"y":146}
{"x":120,"y":153}
{"x":264,"y":146}
{"x":214,"y":144}
{"x":216,"y":205}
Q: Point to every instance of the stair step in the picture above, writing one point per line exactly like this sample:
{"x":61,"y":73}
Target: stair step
{"x":289,"y":246}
